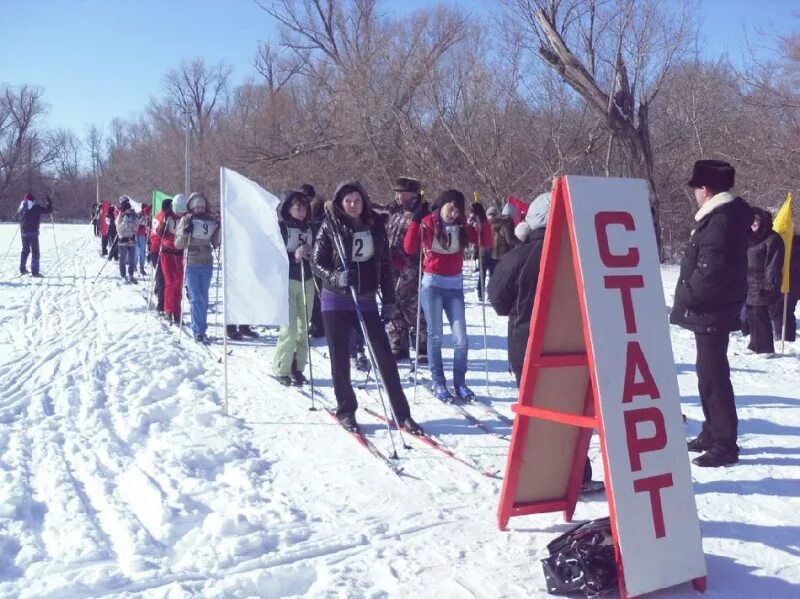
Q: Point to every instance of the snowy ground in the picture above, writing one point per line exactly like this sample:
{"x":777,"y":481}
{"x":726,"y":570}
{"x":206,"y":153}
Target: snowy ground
{"x":120,"y":474}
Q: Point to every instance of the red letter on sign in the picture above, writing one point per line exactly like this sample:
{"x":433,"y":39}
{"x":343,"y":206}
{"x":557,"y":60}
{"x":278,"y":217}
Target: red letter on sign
{"x":635,"y":361}
{"x":653,"y":485}
{"x":601,"y":222}
{"x":625,"y":283}
{"x":637,"y":446}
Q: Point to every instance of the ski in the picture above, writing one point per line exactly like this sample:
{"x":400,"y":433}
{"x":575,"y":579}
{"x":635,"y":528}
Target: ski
{"x":490,"y":410}
{"x":437,"y":445}
{"x":369,"y":445}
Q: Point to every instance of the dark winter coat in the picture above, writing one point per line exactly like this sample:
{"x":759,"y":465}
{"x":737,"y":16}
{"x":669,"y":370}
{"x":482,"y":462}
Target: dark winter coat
{"x":511,"y":290}
{"x":764,"y":262}
{"x":374,"y":274}
{"x":399,"y":219}
{"x":794,"y":268}
{"x":295,"y":233}
{"x":29,"y":215}
{"x":713,"y":276}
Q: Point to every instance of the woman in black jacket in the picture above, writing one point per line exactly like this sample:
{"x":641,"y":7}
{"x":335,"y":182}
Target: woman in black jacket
{"x":764,"y":265}
{"x":776,"y":308}
{"x":352,"y":227}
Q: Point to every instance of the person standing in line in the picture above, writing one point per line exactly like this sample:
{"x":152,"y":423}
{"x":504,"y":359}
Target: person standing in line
{"x":291,"y":350}
{"x":111,"y":233}
{"x":364,"y":268}
{"x":511,"y":292}
{"x":171,"y":258}
{"x":29,"y":216}
{"x":94,"y":219}
{"x":402,"y":324}
{"x":708,"y":298}
{"x":126,"y":223}
{"x":154,"y":254}
{"x":764,"y":270}
{"x":317,"y":328}
{"x":443,"y":233}
{"x":198,"y":233}
{"x":143,"y":223}
{"x":503,"y":241}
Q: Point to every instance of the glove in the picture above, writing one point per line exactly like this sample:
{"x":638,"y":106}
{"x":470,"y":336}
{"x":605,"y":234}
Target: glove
{"x":387,"y":312}
{"x":421,"y":212}
{"x":477,"y":210}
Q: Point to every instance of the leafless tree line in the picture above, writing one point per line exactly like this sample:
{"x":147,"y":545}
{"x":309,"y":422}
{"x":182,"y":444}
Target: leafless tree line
{"x":498,"y":105}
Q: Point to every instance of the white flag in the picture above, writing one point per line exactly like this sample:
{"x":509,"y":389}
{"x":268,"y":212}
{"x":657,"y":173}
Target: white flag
{"x":255,"y":283}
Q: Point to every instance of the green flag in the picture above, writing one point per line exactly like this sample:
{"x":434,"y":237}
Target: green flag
{"x":158,"y":197}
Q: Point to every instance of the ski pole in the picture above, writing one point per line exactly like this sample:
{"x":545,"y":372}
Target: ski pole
{"x":419,"y":308}
{"x":108,"y":259}
{"x":156,"y":267}
{"x":482,"y":282}
{"x":313,"y":408}
{"x":8,"y":252}
{"x":183,"y":282}
{"x":368,"y":345}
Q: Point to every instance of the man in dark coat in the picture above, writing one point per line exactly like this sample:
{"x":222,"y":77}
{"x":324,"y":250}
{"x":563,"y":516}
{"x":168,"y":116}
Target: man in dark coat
{"x":776,"y":308}
{"x":708,"y":299}
{"x":29,"y":216}
{"x":764,"y":268}
{"x":511,"y":291}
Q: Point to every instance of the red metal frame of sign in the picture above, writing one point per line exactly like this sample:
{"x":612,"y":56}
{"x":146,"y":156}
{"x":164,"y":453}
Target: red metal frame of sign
{"x":537,"y":359}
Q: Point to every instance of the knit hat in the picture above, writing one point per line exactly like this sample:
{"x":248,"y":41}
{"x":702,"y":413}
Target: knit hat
{"x":536,"y":218}
{"x":509,"y":210}
{"x":308,"y":190}
{"x":179,"y":203}
{"x":492,"y":211}
{"x":195,"y":199}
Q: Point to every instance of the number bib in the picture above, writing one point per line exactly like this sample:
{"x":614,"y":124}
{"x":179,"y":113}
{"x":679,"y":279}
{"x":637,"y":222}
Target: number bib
{"x":296,"y":237}
{"x":203,"y":229}
{"x":363,"y":247}
{"x":453,"y":238}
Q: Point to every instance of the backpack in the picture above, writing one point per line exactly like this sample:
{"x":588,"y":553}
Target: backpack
{"x":582,"y":561}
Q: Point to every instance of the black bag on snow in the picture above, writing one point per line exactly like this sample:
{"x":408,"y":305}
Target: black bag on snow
{"x":581,"y":561}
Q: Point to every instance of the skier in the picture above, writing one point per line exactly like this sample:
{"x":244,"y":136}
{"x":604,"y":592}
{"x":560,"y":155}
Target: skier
{"x":154,"y":254}
{"x":29,"y":216}
{"x":764,"y":269}
{"x":94,"y":219}
{"x":511,"y":291}
{"x":503,"y":241}
{"x":142,"y":232}
{"x":111,"y":234}
{"x":198,"y":232}
{"x":126,"y":223}
{"x":316,"y":329}
{"x":445,"y":233}
{"x":351,"y":226}
{"x":402,"y":324}
{"x":171,"y":260}
{"x":291,"y":352}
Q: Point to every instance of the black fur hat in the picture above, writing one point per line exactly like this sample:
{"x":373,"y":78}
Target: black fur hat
{"x":406,"y":184}
{"x":714,"y":174}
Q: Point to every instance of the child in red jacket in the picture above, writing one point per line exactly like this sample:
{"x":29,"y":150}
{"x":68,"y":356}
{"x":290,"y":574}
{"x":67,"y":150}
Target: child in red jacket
{"x":443,"y":235}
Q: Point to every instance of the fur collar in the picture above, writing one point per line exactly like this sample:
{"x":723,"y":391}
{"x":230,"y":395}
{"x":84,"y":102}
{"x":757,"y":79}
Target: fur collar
{"x":712,"y":204}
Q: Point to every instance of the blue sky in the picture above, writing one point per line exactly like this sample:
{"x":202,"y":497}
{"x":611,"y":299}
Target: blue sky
{"x":100,"y":59}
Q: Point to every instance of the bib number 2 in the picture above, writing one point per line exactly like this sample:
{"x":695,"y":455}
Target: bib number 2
{"x":363,"y":247}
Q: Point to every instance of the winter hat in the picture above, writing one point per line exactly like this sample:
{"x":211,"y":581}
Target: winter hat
{"x":492,"y":211}
{"x":308,"y":190}
{"x":124,"y":203}
{"x":509,"y":210}
{"x":179,"y":203}
{"x":451,"y":195}
{"x":408,"y":184}
{"x":195,"y":199}
{"x":536,"y":218}
{"x":715,"y":174}
{"x":289,"y":199}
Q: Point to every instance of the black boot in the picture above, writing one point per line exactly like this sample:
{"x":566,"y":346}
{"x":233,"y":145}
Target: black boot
{"x":348,"y":422}
{"x":247,"y":331}
{"x":716,"y":457}
{"x":411,"y":427}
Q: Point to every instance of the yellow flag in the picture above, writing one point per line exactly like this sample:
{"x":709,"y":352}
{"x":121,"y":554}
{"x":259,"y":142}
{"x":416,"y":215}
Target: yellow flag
{"x":784,"y":227}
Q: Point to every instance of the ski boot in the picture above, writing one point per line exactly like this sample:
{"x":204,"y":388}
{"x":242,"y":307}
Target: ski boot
{"x":463,"y":393}
{"x":441,"y":393}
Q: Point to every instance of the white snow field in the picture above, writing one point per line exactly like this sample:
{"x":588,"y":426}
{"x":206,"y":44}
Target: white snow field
{"x":121,"y":475}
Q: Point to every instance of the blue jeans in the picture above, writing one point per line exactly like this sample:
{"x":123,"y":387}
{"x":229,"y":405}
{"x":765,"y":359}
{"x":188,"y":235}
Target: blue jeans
{"x":141,"y":250}
{"x":198,"y":280}
{"x":436,"y":300}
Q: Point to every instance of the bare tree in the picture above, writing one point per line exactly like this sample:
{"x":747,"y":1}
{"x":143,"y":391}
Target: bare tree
{"x":615,"y":54}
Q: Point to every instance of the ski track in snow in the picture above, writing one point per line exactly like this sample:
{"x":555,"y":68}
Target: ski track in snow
{"x":121,"y":475}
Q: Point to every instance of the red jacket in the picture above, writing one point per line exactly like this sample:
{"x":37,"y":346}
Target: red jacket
{"x":168,"y":236}
{"x":440,"y":263}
